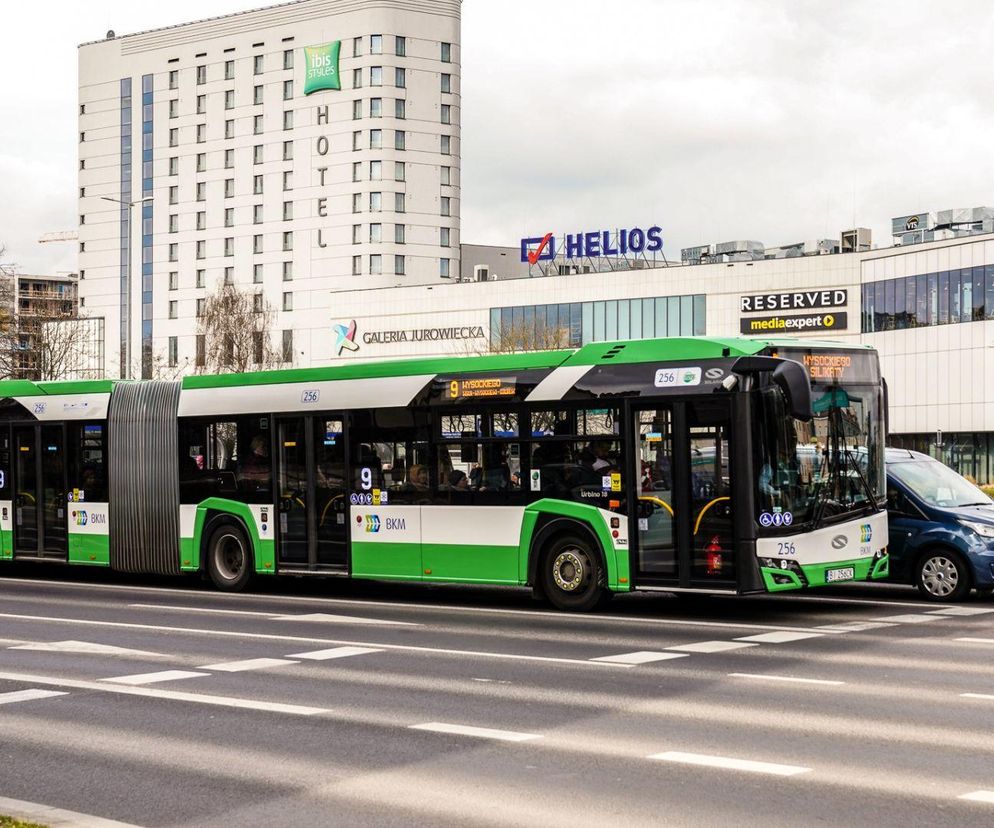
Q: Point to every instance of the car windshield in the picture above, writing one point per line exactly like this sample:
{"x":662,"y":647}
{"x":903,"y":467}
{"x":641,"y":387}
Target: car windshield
{"x":938,"y":485}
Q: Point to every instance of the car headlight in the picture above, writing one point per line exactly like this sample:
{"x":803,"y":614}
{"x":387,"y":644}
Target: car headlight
{"x":985,"y":530}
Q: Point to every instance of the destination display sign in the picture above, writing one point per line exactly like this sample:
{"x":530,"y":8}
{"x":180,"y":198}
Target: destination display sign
{"x":837,"y":367}
{"x":482,"y":387}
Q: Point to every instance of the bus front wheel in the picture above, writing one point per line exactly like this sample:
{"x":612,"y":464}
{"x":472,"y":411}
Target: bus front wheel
{"x":571,"y":574}
{"x":229,"y":558}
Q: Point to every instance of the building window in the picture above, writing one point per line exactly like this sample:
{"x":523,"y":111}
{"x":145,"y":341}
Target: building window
{"x":229,"y":129}
{"x":357,"y":109}
{"x":357,"y":47}
{"x":375,"y":170}
{"x":376,"y":107}
{"x":257,"y":63}
{"x":288,"y":119}
{"x":174,"y":223}
{"x":287,"y":211}
{"x":376,"y":139}
{"x":229,"y":275}
{"x":356,"y":233}
{"x":375,"y":264}
{"x":288,"y":301}
{"x":400,"y":109}
{"x":375,"y":202}
{"x":357,"y":78}
{"x":376,"y":44}
{"x":201,"y":278}
{"x":174,"y":195}
{"x":201,"y":133}
{"x":288,"y":241}
{"x":229,"y":99}
{"x":399,"y":171}
{"x":229,"y":188}
{"x":257,"y":304}
{"x":257,"y":214}
{"x":446,"y":114}
{"x":257,"y":184}
{"x":356,"y":265}
{"x":257,"y":243}
{"x":257,"y":95}
{"x":400,"y":140}
{"x":229,"y":216}
{"x":400,"y":46}
{"x":201,"y":248}
{"x":201,"y":305}
{"x":229,"y":159}
{"x":399,"y":234}
{"x":201,"y":75}
{"x":446,"y":53}
{"x":288,"y":150}
{"x":376,"y":76}
{"x":446,"y":83}
{"x":443,"y":237}
{"x":446,"y":145}
{"x":287,"y":271}
{"x":201,"y":356}
{"x":445,"y":176}
{"x":201,"y":161}
{"x":356,"y":170}
{"x":257,"y":154}
{"x":375,"y":233}
{"x":229,"y":70}
{"x":356,"y":202}
{"x":399,"y":265}
{"x":288,"y":58}
{"x":400,"y":202}
{"x":201,"y":104}
{"x":173,"y":78}
{"x":257,"y":125}
{"x":356,"y":139}
{"x":201,"y":220}
{"x":82,"y":138}
{"x":174,"y":137}
{"x":174,"y":108}
{"x":287,"y":181}
{"x":445,"y":206}
{"x":173,"y":352}
{"x":287,"y":90}
{"x":257,"y":274}
{"x":174,"y":280}
{"x":400,"y":78}
{"x":443,"y":268}
{"x":287,"y":346}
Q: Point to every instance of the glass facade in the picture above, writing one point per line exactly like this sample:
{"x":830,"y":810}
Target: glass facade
{"x":534,"y":327}
{"x":146,"y":227}
{"x":972,"y":455}
{"x":947,"y":297}
{"x":125,"y":217}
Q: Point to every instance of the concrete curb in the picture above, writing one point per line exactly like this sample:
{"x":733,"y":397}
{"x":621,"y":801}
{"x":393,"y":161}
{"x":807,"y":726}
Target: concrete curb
{"x":55,"y":817}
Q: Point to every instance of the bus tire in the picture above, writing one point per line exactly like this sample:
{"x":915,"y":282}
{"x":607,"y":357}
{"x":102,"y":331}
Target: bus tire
{"x":942,"y":575}
{"x":229,"y":557}
{"x":572,"y":577}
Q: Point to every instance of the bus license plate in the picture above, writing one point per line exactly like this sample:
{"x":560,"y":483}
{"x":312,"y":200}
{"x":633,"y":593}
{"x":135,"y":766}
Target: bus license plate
{"x":846,"y":574}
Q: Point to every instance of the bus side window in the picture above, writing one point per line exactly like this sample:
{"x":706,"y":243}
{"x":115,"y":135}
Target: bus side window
{"x":87,"y":461}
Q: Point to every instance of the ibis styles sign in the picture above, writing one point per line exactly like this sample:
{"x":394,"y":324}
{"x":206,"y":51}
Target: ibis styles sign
{"x":322,"y":67}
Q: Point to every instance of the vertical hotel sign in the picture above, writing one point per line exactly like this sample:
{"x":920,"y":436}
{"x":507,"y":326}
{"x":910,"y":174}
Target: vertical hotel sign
{"x":322,"y":67}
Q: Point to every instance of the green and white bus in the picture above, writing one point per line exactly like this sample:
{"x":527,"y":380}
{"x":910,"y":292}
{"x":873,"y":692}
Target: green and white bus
{"x":685,"y":464}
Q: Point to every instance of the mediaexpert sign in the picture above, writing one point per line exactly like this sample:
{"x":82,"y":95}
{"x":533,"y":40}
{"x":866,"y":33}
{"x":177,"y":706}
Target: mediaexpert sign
{"x":593,"y":244}
{"x":794,"y":300}
{"x":322,"y":67}
{"x":837,"y":321}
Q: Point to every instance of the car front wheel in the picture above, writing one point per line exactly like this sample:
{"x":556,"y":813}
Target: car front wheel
{"x":942,"y":575}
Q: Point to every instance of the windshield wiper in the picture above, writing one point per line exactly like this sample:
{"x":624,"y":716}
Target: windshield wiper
{"x":978,"y":503}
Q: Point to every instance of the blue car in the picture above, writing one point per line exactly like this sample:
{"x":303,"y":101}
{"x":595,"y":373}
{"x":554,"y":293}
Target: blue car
{"x":941,"y":528}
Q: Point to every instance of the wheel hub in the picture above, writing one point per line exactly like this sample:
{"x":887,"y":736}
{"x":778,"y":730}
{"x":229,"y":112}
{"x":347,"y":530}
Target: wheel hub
{"x":940,"y":576}
{"x":568,"y":571}
{"x":230,"y":557}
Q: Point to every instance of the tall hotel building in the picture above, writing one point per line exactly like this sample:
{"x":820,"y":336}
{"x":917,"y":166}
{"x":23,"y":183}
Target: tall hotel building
{"x":299,"y":152}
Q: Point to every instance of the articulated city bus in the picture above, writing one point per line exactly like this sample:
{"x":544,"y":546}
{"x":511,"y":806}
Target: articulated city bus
{"x":685,"y":464}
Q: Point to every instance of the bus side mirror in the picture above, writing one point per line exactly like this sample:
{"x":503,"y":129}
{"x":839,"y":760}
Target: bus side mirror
{"x":789,"y":376}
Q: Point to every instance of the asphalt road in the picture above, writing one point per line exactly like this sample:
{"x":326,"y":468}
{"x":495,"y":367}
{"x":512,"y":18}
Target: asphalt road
{"x":337,"y":703}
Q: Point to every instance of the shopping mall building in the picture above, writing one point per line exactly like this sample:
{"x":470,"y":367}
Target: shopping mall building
{"x":309,"y":154}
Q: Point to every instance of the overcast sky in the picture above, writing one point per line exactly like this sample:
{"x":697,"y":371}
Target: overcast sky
{"x":773,"y":120}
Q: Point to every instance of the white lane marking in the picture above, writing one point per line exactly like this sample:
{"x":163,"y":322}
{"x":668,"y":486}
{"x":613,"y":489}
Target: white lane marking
{"x":28,"y":695}
{"x":640,"y":657}
{"x":84,"y":648}
{"x":779,"y":637}
{"x":248,"y":664}
{"x":908,"y":618}
{"x":852,"y":626}
{"x":172,"y":695}
{"x":976,"y":640}
{"x":984,"y":696}
{"x":203,"y":609}
{"x":729,"y":763}
{"x":476,"y":732}
{"x":307,"y":640}
{"x":962,"y":611}
{"x":550,"y":615}
{"x":979,"y":796}
{"x":327,"y":618}
{"x":334,"y":652}
{"x":152,"y":678}
{"x":710,"y":646}
{"x":797,"y":679}
{"x":35,"y":812}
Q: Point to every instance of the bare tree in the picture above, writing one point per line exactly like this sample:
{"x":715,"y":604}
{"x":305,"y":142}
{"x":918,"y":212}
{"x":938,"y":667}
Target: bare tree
{"x":236,"y":331}
{"x":9,"y":340}
{"x":536,"y":337}
{"x":62,"y":349}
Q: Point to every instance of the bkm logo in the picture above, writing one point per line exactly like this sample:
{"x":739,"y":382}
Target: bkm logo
{"x":372,"y":523}
{"x":80,"y":517}
{"x":865,"y":533}
{"x":345,"y":337}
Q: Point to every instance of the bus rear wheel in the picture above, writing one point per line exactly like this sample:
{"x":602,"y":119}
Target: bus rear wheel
{"x":229,"y":558}
{"x":571,"y":574}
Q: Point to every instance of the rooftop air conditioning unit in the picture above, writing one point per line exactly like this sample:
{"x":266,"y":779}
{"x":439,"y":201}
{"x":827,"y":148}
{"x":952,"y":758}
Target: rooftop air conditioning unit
{"x":481,"y":273}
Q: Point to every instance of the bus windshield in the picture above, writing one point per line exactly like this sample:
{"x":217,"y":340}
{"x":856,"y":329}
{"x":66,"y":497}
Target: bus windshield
{"x":830,"y":466}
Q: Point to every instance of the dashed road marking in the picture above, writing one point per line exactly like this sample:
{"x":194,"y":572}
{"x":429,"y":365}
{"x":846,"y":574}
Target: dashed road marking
{"x":729,"y":763}
{"x":964,"y":611}
{"x":908,"y":618}
{"x":152,"y":678}
{"x":640,"y":657}
{"x":328,"y":618}
{"x":853,"y":626}
{"x":83,"y":648}
{"x":334,"y":652}
{"x":983,"y":696}
{"x":476,"y":732}
{"x":976,"y":640}
{"x":710,"y":646}
{"x":779,"y":637}
{"x":979,"y":796}
{"x":248,"y":664}
{"x":796,"y":679}
{"x":28,"y":695}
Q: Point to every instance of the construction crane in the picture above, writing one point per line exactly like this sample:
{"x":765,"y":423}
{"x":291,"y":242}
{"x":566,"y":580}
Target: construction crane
{"x":59,"y":236}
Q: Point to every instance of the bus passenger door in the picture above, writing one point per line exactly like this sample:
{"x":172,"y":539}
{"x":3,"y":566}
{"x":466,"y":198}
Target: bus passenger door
{"x":655,"y":516}
{"x":40,"y":528}
{"x":713,"y":555}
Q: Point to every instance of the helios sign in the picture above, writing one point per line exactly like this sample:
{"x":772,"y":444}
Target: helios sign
{"x":593,"y":244}
{"x":322,"y":67}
